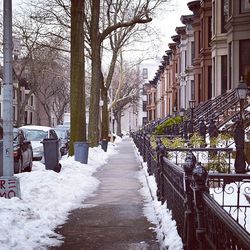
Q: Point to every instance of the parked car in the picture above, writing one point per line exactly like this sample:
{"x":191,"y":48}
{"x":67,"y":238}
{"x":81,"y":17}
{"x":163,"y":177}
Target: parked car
{"x":63,"y":134}
{"x":36,"y":134}
{"x":22,"y":152}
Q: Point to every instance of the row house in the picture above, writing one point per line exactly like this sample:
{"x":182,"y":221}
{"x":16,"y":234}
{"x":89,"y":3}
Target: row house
{"x":230,"y":44}
{"x":30,"y":111}
{"x":208,"y":57}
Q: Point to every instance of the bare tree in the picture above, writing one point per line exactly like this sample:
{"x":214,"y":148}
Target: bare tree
{"x":53,"y":89}
{"x":118,"y":19}
{"x":125,"y":86}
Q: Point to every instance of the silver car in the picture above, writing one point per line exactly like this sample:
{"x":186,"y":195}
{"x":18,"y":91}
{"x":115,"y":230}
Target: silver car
{"x":36,"y":134}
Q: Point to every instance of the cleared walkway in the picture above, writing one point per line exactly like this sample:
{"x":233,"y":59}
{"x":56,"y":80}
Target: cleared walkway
{"x":113,"y":219}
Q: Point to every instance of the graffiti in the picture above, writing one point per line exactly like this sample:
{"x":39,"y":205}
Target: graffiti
{"x":9,"y":187}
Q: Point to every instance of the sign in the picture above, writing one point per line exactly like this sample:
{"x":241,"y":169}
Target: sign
{"x":9,"y":187}
{"x":16,"y":46}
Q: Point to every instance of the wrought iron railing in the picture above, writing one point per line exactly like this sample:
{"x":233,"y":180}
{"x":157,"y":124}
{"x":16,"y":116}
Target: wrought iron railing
{"x":198,"y":200}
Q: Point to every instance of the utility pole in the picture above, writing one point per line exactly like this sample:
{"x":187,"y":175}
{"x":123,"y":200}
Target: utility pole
{"x":9,"y":185}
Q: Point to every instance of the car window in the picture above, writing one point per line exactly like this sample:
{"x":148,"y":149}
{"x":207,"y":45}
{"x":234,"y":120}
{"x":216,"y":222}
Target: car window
{"x":36,"y":135}
{"x":61,"y":133}
{"x":53,"y":134}
{"x":15,"y":138}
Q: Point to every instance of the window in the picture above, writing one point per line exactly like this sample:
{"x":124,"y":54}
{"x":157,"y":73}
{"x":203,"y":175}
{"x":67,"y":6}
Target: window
{"x":0,"y":110}
{"x":144,"y":106}
{"x":192,"y":52}
{"x":145,"y":73}
{"x":31,"y":118}
{"x":224,"y":15}
{"x":230,"y":64}
{"x":209,"y":30}
{"x":223,"y":74}
{"x":245,"y":60}
{"x":244,"y":6}
{"x":14,"y":93}
{"x":26,"y":117}
{"x":14,"y":113}
{"x":209,"y":72}
{"x":144,"y":120}
{"x":149,"y":99}
{"x":31,"y":100}
{"x":213,"y":19}
{"x":192,"y":90}
{"x":200,"y":41}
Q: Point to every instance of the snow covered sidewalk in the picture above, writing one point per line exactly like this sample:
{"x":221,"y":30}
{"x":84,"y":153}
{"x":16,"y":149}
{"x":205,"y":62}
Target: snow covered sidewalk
{"x":49,"y":197}
{"x":113,"y":217}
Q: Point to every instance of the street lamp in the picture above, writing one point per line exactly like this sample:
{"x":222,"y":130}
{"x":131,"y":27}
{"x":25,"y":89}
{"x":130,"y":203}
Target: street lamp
{"x":242,"y":94}
{"x":239,"y":132}
{"x":174,"y":110}
{"x":191,"y":124}
{"x":182,"y":113}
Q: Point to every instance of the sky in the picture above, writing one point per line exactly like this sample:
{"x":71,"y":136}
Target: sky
{"x":29,"y":223}
{"x":168,"y":20}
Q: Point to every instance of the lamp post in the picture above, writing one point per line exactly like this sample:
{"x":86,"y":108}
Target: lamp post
{"x":174,"y":111}
{"x":182,"y":113}
{"x":191,"y":125}
{"x":242,"y":94}
{"x":239,"y":132}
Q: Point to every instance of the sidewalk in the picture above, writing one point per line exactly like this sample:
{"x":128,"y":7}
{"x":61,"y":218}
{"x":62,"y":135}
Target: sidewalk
{"x":113,"y":219}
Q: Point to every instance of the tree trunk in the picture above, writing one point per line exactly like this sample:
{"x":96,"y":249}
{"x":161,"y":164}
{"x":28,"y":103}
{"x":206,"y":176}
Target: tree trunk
{"x":96,"y":75}
{"x":77,"y":81}
{"x":105,"y":111}
{"x":118,"y":122}
{"x":105,"y":114}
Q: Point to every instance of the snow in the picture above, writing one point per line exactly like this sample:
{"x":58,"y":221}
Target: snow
{"x":48,"y":197}
{"x":158,"y":214}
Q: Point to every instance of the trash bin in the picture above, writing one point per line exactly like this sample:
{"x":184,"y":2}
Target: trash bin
{"x":51,"y":154}
{"x":81,"y":150}
{"x":104,"y":145}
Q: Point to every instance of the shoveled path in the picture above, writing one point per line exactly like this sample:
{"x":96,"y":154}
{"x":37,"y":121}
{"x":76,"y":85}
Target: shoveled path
{"x":113,"y":219}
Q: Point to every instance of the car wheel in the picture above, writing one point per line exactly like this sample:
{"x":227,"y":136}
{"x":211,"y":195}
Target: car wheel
{"x":29,"y":168}
{"x":18,"y":166}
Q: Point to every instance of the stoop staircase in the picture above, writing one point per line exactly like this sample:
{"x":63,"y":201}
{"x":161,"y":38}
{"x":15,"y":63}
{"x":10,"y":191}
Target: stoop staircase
{"x":223,"y":109}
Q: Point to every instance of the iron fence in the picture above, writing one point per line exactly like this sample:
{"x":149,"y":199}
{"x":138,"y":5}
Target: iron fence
{"x":201,"y":202}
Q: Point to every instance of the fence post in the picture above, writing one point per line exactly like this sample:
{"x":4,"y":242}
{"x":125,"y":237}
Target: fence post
{"x":149,"y":156}
{"x":200,"y":181}
{"x":144,"y":146}
{"x":161,"y":182}
{"x":189,"y":224}
{"x":158,"y":171}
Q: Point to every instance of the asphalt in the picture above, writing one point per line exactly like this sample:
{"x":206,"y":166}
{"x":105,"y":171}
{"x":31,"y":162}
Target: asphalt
{"x":113,"y":218}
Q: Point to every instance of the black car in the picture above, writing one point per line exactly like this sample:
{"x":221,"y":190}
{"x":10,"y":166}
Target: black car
{"x":22,"y":152}
{"x":63,"y":134}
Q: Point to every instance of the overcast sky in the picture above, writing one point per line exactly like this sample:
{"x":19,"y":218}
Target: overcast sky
{"x":166,"y":22}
